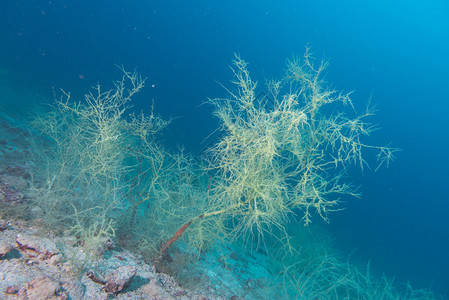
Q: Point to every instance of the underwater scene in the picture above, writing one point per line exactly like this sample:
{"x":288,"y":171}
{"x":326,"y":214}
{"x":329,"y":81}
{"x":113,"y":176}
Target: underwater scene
{"x":224,"y":149}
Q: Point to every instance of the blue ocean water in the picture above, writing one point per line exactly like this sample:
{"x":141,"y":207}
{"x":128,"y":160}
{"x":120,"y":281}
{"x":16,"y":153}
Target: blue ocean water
{"x":394,"y":52}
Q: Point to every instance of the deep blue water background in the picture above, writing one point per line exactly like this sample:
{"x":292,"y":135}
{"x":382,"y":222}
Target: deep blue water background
{"x":396,"y":51}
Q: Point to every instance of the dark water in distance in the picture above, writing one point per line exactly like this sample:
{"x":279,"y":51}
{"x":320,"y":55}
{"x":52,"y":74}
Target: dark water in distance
{"x":395,"y":51}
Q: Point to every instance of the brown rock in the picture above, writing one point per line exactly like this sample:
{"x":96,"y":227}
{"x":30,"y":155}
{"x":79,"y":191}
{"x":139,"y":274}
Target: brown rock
{"x":119,"y":279}
{"x":41,"y":248}
{"x":5,"y":248}
{"x":11,"y":289}
{"x":43,"y":288}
